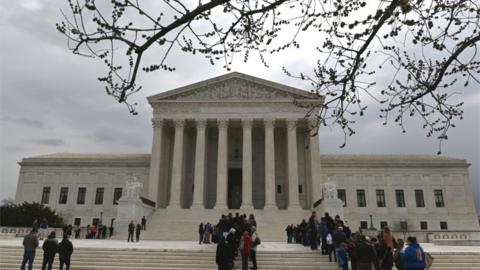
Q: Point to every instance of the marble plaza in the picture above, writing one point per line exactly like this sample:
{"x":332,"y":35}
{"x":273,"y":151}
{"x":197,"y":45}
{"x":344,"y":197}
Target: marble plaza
{"x":241,"y":142}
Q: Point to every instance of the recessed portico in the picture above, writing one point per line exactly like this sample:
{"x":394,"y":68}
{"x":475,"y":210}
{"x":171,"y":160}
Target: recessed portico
{"x":233,"y":142}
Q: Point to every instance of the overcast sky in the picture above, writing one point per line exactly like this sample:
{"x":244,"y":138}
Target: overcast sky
{"x":51,"y":101}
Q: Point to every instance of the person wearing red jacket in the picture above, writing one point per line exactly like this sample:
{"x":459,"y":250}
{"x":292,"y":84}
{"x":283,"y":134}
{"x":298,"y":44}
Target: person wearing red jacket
{"x":245,"y":249}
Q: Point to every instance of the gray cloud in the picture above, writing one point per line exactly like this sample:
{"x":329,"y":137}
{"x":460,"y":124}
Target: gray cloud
{"x":48,"y":142}
{"x":23,"y":121}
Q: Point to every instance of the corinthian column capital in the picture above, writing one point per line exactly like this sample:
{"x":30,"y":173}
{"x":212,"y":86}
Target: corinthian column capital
{"x":157,"y":122}
{"x":247,"y":122}
{"x":201,"y":123}
{"x":223,"y":123}
{"x":179,"y":123}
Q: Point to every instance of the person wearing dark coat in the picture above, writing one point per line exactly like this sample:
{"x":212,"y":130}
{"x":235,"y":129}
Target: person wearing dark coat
{"x":201,"y":232}
{"x":137,"y":232}
{"x":65,"y":250}
{"x":312,"y":224}
{"x":131,"y":229}
{"x":49,"y":249}
{"x":224,"y":256}
{"x":144,"y":223}
{"x":30,"y":244}
{"x":366,"y":255}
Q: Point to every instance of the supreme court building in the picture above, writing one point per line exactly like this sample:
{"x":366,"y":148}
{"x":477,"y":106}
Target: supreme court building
{"x":241,"y":142}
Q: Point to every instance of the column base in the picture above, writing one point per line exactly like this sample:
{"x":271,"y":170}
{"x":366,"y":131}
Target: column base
{"x":270,"y":207}
{"x":246,"y":207}
{"x":173,"y":206}
{"x":294,"y":207}
{"x":197,"y":206}
{"x":220,"y":207}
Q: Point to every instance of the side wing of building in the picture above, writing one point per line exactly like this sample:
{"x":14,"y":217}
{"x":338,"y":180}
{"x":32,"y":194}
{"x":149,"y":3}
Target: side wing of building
{"x":405,"y":192}
{"x":80,"y":187}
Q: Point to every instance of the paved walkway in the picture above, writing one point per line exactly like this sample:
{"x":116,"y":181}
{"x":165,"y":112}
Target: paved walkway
{"x":194,"y":246}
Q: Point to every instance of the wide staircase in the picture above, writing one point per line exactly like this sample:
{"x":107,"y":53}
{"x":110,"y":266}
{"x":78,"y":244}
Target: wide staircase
{"x":96,"y":258}
{"x":90,"y":258}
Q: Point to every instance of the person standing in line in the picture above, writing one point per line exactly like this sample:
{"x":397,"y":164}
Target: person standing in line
{"x":30,"y":244}
{"x":131,"y":229}
{"x":245,"y":249}
{"x":49,"y":249}
{"x":330,"y":247}
{"x":208,"y":232}
{"x":201,"y":232}
{"x":366,"y":255}
{"x":223,"y":256}
{"x":144,"y":223}
{"x":65,"y":250}
{"x":413,"y":257}
{"x":43,"y":229}
{"x":255,"y":242}
{"x":323,"y":230}
{"x":137,"y":232}
{"x":312,"y":225}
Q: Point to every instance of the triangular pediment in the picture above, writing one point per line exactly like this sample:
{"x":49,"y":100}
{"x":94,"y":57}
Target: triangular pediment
{"x":233,"y":86}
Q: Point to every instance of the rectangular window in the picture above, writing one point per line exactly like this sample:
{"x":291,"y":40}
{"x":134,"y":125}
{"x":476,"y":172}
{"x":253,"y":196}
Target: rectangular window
{"x":82,"y":193}
{"x":420,"y":201}
{"x":300,"y":189}
{"x":361,"y":200}
{"x":383,"y":224}
{"x":62,"y":199}
{"x":279,"y":189}
{"x":99,"y":195}
{"x":95,"y":221}
{"x":117,"y":193}
{"x":45,"y":195}
{"x":380,"y":198}
{"x":443,"y":225}
{"x":403,"y":226}
{"x":439,"y":198}
{"x":400,"y":197}
{"x":363,"y":225}
{"x":342,"y":195}
{"x":423,"y":225}
{"x":77,"y":221}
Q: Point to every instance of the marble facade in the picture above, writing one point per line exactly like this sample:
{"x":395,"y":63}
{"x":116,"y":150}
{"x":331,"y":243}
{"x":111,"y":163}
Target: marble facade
{"x":240,"y":142}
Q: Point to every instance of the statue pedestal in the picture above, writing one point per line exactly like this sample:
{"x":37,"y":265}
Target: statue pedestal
{"x":332,"y":206}
{"x":130,"y":208}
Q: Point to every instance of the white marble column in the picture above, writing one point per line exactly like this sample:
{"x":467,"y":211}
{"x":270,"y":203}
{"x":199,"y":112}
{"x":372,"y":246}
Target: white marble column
{"x":199,"y":178}
{"x":315,"y":166}
{"x":269,"y":164}
{"x":177,"y":166}
{"x":293,"y":201}
{"x":154,"y":177}
{"x":222,"y":157}
{"x":247,"y":165}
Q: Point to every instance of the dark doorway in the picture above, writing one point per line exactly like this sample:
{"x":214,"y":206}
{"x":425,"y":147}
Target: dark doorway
{"x":234,"y":188}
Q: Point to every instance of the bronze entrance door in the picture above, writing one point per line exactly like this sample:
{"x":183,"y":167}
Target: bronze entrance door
{"x":234,"y":188}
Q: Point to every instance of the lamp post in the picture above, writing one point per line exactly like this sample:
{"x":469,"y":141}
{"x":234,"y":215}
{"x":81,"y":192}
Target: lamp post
{"x":100,"y":221}
{"x":372,"y":231}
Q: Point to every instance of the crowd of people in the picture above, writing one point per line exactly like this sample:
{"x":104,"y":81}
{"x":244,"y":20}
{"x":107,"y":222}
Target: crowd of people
{"x":235,"y":236}
{"x":355,"y":251}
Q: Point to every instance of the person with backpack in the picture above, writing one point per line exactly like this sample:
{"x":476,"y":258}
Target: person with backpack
{"x":330,"y":247}
{"x":413,"y":257}
{"x":30,"y":244}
